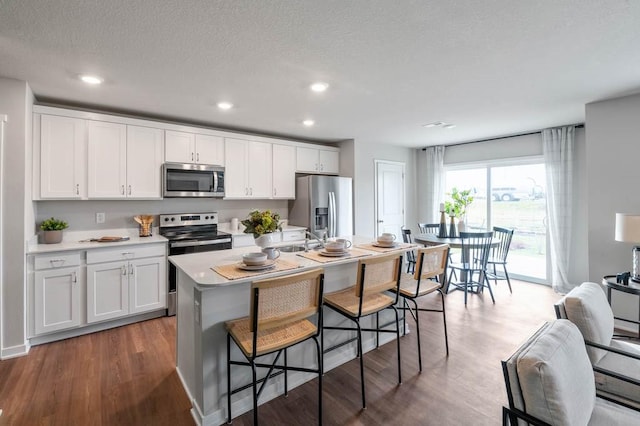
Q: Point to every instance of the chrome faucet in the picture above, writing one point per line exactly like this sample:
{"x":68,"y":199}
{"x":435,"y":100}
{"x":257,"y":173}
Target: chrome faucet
{"x":321,"y":241}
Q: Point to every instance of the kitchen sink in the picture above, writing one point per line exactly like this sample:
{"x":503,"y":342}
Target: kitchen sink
{"x":292,"y":248}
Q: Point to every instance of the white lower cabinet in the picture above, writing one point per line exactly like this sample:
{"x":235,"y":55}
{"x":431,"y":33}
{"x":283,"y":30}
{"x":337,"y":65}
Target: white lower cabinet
{"x":57,"y":299}
{"x":131,"y":286}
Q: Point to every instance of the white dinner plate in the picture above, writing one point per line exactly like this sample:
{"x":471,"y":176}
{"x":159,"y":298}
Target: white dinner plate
{"x":385,"y":245}
{"x":334,"y":253}
{"x":267,"y":265}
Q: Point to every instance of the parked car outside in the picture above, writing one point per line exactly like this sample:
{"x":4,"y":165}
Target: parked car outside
{"x":509,"y":193}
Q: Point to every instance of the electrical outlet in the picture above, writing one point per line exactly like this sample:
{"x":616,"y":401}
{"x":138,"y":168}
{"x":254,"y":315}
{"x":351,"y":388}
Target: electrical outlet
{"x":100,"y":217}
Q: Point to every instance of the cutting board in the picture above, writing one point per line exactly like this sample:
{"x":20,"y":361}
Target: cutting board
{"x":106,"y":239}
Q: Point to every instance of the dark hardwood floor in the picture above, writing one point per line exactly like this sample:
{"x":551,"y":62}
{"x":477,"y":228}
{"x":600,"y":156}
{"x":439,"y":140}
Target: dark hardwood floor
{"x":126,"y":376}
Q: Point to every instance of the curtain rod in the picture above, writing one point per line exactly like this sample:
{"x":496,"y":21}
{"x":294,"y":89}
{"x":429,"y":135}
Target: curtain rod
{"x":577,"y":126}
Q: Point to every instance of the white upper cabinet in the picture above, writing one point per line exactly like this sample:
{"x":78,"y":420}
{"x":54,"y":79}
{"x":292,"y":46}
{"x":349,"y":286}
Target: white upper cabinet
{"x":62,"y":158}
{"x":144,"y":162}
{"x":124,"y":161}
{"x":184,"y":147}
{"x":107,"y":166}
{"x":284,"y":171}
{"x":248,"y":169}
{"x":317,"y":160}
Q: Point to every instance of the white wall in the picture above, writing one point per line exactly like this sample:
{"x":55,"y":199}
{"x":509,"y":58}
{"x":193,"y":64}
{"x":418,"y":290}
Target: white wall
{"x":613,"y":155}
{"x":364,"y":179}
{"x":16,"y":100}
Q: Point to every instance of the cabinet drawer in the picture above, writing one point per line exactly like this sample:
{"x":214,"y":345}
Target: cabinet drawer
{"x":125,"y":253}
{"x":243,"y":241}
{"x":293,"y":235}
{"x":60,"y":260}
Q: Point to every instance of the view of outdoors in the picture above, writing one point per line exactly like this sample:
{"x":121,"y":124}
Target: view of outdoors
{"x":516,"y":200}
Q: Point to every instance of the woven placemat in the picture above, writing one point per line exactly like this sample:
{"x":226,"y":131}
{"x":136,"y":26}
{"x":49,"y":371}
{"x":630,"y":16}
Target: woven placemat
{"x":316,"y":256}
{"x":233,"y":272}
{"x":401,"y":246}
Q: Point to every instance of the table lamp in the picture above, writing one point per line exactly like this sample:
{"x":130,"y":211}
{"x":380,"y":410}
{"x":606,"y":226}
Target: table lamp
{"x":628,"y":231}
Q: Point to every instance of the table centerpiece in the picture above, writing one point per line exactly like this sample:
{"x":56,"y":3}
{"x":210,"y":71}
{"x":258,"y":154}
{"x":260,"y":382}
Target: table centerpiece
{"x":262,"y":224}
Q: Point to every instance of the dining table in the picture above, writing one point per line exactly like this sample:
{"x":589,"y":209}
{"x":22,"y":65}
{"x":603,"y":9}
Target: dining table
{"x":453,"y":242}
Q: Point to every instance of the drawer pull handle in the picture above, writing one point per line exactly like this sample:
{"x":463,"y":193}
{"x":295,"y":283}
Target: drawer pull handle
{"x":57,"y":262}
{"x":131,"y":269}
{"x":74,"y":278}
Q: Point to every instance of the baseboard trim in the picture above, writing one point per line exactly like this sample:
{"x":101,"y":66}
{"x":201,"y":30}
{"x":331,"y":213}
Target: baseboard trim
{"x":15,"y":351}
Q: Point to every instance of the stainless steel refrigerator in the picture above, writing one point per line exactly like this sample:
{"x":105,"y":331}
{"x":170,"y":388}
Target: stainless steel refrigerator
{"x":323,"y":204}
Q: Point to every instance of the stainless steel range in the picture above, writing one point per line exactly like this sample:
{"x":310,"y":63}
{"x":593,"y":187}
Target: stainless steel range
{"x":190,"y":233}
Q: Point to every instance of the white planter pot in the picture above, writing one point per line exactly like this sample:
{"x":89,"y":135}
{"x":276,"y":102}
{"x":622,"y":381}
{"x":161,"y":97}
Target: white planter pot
{"x":267,"y":240}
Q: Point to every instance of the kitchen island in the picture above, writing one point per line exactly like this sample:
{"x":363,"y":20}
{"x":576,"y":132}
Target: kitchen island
{"x":206,"y":300}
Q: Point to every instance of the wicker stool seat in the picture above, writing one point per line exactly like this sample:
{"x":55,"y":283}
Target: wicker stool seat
{"x":272,"y":339}
{"x":281,"y":316}
{"x":346,"y":301}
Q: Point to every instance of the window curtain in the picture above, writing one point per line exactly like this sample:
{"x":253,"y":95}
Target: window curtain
{"x":434,"y":183}
{"x":558,"y":150}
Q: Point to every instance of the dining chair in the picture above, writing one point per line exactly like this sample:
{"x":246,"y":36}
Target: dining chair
{"x":376,"y":276}
{"x":431,"y":263}
{"x":475,"y":247}
{"x":428,"y":228}
{"x":498,"y":255}
{"x":280,"y":317}
{"x":550,"y":381}
{"x":411,"y":256}
{"x":587,"y":307}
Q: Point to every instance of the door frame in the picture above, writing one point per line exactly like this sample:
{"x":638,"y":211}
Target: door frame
{"x":377,"y":164}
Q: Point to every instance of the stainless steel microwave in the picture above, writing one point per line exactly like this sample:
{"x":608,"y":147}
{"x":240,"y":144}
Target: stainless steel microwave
{"x":192,"y":180}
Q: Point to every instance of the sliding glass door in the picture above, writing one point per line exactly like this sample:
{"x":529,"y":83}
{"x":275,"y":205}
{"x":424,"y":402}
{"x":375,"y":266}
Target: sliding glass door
{"x":511,"y":196}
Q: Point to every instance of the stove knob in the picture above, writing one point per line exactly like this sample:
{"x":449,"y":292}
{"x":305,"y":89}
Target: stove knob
{"x":206,"y":217}
{"x":172,"y":219}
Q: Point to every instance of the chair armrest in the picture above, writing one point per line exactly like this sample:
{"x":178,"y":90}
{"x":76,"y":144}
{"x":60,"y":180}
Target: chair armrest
{"x":614,"y":350}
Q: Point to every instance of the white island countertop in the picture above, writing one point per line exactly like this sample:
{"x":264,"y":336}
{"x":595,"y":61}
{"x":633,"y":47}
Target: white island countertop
{"x":198,"y":265}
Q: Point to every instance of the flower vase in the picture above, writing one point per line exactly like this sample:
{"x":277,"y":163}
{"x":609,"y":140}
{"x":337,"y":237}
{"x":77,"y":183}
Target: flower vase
{"x":461,"y":225}
{"x":266,"y":240}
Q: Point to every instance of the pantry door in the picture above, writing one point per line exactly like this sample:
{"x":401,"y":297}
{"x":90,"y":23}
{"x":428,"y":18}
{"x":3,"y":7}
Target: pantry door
{"x":390,"y":197}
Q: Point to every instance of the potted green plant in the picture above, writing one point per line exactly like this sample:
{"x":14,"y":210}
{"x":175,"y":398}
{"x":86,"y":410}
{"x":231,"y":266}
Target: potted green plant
{"x":52,"y":230}
{"x":261,"y":224}
{"x":457,"y":206}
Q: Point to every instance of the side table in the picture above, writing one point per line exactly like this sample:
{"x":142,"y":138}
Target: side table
{"x":609,"y":281}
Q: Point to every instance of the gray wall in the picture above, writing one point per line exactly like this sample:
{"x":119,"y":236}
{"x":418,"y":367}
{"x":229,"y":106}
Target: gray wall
{"x":364,"y":178}
{"x":16,"y":101}
{"x":613,"y":153}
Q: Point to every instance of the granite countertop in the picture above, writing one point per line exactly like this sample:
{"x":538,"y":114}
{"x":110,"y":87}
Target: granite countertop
{"x":71,"y":240}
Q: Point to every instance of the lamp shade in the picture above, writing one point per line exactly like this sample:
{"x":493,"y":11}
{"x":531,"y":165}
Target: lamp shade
{"x":627,"y":228}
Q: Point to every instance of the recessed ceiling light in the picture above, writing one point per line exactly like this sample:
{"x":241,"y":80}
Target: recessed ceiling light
{"x":319,"y":86}
{"x":91,"y":79}
{"x":225,"y":105}
{"x":448,"y":126}
{"x":308,"y":123}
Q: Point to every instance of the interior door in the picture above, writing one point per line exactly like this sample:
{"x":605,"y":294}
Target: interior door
{"x":390,"y":190}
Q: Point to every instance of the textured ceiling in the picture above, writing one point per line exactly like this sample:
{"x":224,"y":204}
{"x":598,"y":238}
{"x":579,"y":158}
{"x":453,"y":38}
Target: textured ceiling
{"x":493,"y":68}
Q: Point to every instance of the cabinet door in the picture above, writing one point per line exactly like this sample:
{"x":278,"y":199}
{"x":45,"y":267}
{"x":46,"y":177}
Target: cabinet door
{"x":62,"y":157}
{"x":57,"y":299}
{"x":259,"y":170}
{"x":107,"y":166}
{"x":284,"y":171}
{"x":145,"y":156}
{"x":107,"y":291}
{"x":147,"y":284}
{"x":209,"y":150}
{"x":306,"y":159}
{"x":329,"y":161}
{"x":235,"y":151}
{"x":179,"y":147}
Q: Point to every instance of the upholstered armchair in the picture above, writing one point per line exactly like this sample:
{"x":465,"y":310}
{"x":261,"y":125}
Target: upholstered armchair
{"x":550,"y":381}
{"x":616,"y":362}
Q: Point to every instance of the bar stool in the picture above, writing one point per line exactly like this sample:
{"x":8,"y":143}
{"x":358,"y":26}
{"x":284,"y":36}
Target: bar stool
{"x":376,"y":275}
{"x":431,"y":263}
{"x":278,"y":319}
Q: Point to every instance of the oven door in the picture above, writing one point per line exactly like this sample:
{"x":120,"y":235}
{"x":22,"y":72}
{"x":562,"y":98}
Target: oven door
{"x":186,"y":247}
{"x":193,"y":180}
